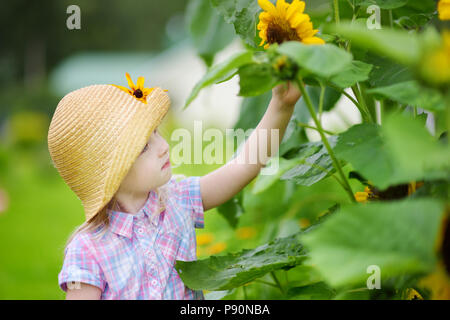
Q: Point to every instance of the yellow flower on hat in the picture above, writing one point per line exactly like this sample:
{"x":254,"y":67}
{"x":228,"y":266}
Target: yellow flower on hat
{"x":444,"y":9}
{"x":285,"y":22}
{"x":138,"y":91}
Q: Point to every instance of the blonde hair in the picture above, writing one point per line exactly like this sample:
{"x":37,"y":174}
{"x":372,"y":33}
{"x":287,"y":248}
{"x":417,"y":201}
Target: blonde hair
{"x":101,"y":219}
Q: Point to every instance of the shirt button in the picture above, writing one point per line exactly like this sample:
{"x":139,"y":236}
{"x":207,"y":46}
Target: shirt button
{"x":140,"y":230}
{"x":154,"y":282}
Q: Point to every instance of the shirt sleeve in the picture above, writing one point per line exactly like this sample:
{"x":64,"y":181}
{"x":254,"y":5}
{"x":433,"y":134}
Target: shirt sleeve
{"x":189,"y":190}
{"x":79,"y":266}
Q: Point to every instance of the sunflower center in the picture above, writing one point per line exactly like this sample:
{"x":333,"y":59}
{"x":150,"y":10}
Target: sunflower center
{"x":138,"y":93}
{"x":280,"y":32}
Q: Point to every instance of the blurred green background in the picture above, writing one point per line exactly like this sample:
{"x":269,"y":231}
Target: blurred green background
{"x":40,"y":62}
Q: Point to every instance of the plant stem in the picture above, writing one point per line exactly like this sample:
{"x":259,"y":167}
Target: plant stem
{"x":336,"y":11}
{"x":347,"y":95}
{"x":301,"y":124}
{"x":336,"y":163}
{"x":245,"y":292}
{"x":322,"y":94}
{"x":266,"y":283}
{"x":277,"y":282}
{"x":391,"y":20}
{"x":381,"y":111}
{"x":365,"y":112}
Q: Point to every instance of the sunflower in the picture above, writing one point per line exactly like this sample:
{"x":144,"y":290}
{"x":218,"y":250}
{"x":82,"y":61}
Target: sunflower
{"x":444,"y":9}
{"x":436,"y":64}
{"x":371,"y":193}
{"x":285,"y":22}
{"x":138,"y":91}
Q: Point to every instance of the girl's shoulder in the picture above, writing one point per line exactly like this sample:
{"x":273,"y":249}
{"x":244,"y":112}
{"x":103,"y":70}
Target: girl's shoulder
{"x":86,"y":238}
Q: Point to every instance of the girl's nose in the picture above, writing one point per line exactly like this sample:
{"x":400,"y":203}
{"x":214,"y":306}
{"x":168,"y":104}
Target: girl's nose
{"x":164,"y":148}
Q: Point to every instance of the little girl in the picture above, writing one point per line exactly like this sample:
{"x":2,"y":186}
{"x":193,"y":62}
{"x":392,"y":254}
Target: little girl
{"x":104,"y":142}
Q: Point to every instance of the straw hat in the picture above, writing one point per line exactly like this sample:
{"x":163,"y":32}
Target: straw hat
{"x":96,"y":134}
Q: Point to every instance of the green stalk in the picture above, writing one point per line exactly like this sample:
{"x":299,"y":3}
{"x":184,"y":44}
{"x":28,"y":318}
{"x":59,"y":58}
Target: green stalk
{"x":322,"y":94}
{"x":369,"y":101}
{"x":381,"y":110}
{"x":336,"y":163}
{"x":336,"y":11}
{"x":304,"y":125}
{"x":447,"y":114}
{"x":347,"y":95}
{"x":277,"y":282}
{"x":365,"y":112}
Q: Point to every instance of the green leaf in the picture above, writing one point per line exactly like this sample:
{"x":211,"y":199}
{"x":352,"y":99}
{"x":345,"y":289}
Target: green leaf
{"x":398,"y":237}
{"x":232,"y":209}
{"x":357,"y":71}
{"x":255,"y":79}
{"x":417,"y":154}
{"x":383,"y":4}
{"x":330,"y":99}
{"x":243,"y":14}
{"x":252,"y":110}
{"x":400,"y":46}
{"x":362,"y":145}
{"x":209,"y":32}
{"x":400,"y":151}
{"x":293,"y":137}
{"x":316,"y":291}
{"x":220,"y":71}
{"x":411,"y":93}
{"x":236,"y":269}
{"x":316,"y":163}
{"x":320,"y":60}
{"x":385,"y":72}
{"x":415,"y":14}
{"x":263,"y":182}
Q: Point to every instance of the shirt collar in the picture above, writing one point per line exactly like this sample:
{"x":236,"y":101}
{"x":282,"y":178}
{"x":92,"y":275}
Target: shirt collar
{"x":122,"y":223}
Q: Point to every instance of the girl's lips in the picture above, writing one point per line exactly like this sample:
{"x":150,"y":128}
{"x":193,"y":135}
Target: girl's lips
{"x":166,"y":164}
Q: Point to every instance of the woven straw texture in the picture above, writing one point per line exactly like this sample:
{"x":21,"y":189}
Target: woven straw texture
{"x":95,"y":135}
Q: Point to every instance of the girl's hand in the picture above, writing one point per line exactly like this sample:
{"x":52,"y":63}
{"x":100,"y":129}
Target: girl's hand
{"x":286,"y":94}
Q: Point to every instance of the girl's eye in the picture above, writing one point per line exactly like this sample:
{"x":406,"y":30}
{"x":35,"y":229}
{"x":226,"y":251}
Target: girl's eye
{"x":145,"y":148}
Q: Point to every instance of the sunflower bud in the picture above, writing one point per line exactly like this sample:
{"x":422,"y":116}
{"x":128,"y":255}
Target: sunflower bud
{"x":284,"y":67}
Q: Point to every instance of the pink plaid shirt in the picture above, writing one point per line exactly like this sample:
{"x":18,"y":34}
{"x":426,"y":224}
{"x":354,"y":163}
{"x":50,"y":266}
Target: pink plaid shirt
{"x":135,"y":258}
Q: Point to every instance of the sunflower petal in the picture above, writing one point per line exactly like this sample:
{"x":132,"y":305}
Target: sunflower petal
{"x":123,"y":88}
{"x":140,"y":83}
{"x":262,"y":34}
{"x":281,"y":7}
{"x":296,"y":19}
{"x":266,"y":5}
{"x":265,"y":17}
{"x":130,"y":82}
{"x":313,"y":40}
{"x":303,"y":28}
{"x":147,"y":91}
{"x":295,"y":7}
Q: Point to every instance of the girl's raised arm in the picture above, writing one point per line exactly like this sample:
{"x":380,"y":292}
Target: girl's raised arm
{"x":223,"y":183}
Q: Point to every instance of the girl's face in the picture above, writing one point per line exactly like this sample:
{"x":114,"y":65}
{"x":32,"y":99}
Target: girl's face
{"x":149,"y":170}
